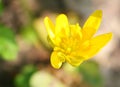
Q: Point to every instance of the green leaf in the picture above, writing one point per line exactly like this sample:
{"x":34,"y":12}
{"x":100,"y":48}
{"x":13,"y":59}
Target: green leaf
{"x":1,"y":7}
{"x":8,"y":45}
{"x":29,"y":34}
{"x":22,"y":79}
{"x":91,"y":73}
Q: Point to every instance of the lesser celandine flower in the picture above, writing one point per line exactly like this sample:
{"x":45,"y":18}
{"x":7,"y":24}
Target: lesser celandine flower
{"x":74,"y":44}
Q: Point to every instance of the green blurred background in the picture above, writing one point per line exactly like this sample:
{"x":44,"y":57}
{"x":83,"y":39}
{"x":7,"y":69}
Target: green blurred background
{"x":25,"y":52}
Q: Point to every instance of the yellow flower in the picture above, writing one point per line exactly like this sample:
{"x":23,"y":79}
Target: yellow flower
{"x":72,"y":43}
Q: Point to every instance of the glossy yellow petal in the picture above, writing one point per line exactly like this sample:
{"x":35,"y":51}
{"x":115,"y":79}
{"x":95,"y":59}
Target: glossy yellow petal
{"x":76,"y":31}
{"x":62,"y":26}
{"x":101,"y":40}
{"x":56,"y":61}
{"x":92,"y":24}
{"x":74,"y":60}
{"x":52,"y":44}
{"x":71,"y":43}
{"x":96,"y":44}
{"x":50,"y":28}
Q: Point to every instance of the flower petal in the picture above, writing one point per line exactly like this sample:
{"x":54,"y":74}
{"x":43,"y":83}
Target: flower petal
{"x":76,"y":31}
{"x":50,"y":28}
{"x":92,"y":24}
{"x":56,"y":62}
{"x":62,"y":26}
{"x":74,"y":60}
{"x":97,"y":43}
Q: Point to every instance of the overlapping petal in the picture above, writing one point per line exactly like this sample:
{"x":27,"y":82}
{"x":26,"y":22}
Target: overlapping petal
{"x":55,"y":60}
{"x":73,"y":44}
{"x":96,"y":44}
{"x":50,"y":27}
{"x":76,"y":31}
{"x":74,"y":60}
{"x":62,"y":26}
{"x":92,"y":24}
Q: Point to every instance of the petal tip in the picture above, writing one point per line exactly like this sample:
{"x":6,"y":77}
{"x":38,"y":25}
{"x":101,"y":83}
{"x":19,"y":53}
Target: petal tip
{"x":97,"y":13}
{"x":56,"y":66}
{"x":62,"y":15}
{"x":55,"y":61}
{"x":46,"y":19}
{"x":110,"y":35}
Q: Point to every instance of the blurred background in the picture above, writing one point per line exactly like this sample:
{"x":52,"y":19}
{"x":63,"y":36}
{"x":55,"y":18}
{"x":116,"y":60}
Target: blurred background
{"x":25,"y":52}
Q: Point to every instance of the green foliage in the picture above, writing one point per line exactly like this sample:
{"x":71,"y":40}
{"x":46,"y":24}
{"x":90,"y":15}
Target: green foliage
{"x":1,"y":7}
{"x":91,"y":73}
{"x":8,"y":45}
{"x":29,"y":34}
{"x":22,"y":79}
